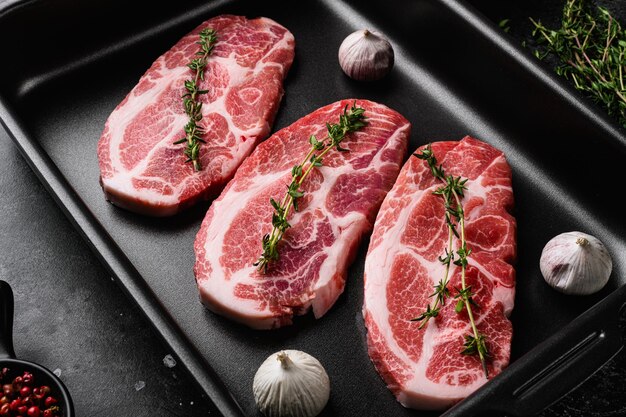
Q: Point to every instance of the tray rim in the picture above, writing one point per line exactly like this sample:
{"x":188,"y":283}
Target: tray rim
{"x":128,"y":278}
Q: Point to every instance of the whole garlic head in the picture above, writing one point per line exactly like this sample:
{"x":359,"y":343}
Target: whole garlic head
{"x":366,"y":55}
{"x":291,"y":383}
{"x":576,"y":263}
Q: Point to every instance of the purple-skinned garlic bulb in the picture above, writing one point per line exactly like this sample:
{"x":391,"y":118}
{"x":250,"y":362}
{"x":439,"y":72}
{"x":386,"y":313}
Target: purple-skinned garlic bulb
{"x":366,"y":55}
{"x":576,"y":263}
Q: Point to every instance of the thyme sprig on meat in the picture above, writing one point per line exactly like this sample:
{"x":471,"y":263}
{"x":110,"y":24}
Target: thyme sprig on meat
{"x":452,"y":192}
{"x":590,"y":48}
{"x":350,"y":121}
{"x":193,"y":107}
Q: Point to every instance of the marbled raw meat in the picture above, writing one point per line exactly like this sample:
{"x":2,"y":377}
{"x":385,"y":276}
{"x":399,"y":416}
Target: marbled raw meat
{"x":341,"y":201}
{"x":141,"y":169}
{"x":424,"y":368}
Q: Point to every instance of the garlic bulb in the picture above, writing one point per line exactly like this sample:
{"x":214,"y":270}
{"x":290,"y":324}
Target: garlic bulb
{"x":291,"y":383}
{"x":366,"y":55}
{"x":575,"y":263}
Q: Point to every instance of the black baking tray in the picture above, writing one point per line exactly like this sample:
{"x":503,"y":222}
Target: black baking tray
{"x":66,"y":65}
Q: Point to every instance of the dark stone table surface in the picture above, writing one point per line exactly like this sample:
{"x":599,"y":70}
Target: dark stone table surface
{"x":73,"y":318}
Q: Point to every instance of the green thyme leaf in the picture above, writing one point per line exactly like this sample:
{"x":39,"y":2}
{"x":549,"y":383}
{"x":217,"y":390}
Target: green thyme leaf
{"x":589,"y":49}
{"x":193,"y":107}
{"x":349,"y":121}
{"x":451,"y":193}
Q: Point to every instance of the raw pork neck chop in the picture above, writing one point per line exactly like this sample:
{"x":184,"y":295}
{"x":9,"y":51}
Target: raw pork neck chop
{"x":140,"y":167}
{"x":425,"y":368}
{"x":340,"y":204}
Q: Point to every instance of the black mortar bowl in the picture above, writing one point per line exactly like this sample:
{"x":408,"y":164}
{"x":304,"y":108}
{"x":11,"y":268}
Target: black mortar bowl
{"x":42,"y":376}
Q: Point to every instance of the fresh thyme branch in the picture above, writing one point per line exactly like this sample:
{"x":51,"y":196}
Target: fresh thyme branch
{"x":350,"y":121}
{"x":452,"y":192}
{"x":193,"y":107}
{"x":590,"y":47}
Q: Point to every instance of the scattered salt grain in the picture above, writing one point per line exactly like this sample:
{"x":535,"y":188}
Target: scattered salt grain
{"x":57,"y":372}
{"x":169,"y":361}
{"x":139,"y":385}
